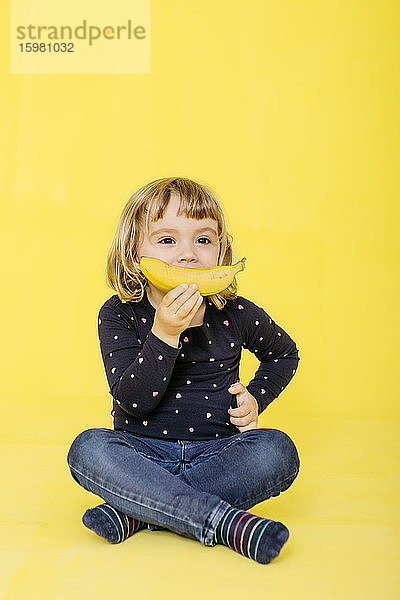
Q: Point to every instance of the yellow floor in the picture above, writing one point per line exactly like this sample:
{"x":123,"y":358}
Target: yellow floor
{"x":342,"y":513}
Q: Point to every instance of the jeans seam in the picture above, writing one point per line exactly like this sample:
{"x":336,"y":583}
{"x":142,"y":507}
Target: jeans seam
{"x":198,"y":527}
{"x":203,"y":455}
{"x":155,"y":459}
{"x":143,"y":453}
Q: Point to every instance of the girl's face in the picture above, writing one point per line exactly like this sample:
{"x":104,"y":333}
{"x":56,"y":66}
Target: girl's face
{"x":180,"y":241}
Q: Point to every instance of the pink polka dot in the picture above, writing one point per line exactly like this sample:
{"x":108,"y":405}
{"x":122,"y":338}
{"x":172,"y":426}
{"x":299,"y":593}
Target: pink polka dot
{"x":160,"y":357}
{"x":262,"y":391}
{"x":185,"y":339}
{"x":191,"y":429}
{"x":155,"y":393}
{"x":126,"y":421}
{"x":144,"y":319}
{"x":226,"y":323}
{"x":178,"y":395}
{"x":240,"y":307}
{"x":261,"y":339}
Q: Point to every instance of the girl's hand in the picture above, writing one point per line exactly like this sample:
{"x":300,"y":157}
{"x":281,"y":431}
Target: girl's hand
{"x":245,"y":416}
{"x":176,"y":310}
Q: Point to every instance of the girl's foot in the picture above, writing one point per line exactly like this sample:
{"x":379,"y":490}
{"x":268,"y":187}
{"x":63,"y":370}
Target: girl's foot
{"x":250,"y":535}
{"x":110,"y":523}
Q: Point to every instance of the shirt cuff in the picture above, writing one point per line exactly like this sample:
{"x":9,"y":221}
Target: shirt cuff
{"x":163,"y":346}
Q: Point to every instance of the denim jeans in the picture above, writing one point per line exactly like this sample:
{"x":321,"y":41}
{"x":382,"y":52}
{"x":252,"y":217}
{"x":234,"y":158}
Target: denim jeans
{"x":184,"y":486}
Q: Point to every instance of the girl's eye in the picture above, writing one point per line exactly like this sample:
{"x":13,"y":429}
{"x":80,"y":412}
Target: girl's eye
{"x":201,"y":238}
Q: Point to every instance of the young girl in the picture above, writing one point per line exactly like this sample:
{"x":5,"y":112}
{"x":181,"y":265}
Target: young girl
{"x":179,"y":456}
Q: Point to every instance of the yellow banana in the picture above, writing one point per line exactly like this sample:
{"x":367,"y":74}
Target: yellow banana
{"x":210,"y":280}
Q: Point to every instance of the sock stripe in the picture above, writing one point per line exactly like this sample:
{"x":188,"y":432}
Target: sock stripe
{"x":133,"y":521}
{"x":112,"y":520}
{"x":250,"y":536}
{"x":234,"y":533}
{"x":229,"y":526}
{"x":132,"y":525}
{"x":124,"y":534}
{"x":246,"y":524}
{"x":259,"y":538}
{"x":127,"y":525}
{"x":223,"y":523}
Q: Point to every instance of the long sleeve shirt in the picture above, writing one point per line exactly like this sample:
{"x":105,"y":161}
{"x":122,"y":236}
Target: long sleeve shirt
{"x":165,"y":392}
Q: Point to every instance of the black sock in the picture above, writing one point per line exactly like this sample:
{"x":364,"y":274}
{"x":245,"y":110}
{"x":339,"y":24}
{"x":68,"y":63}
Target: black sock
{"x":110,"y":523}
{"x":250,"y":535}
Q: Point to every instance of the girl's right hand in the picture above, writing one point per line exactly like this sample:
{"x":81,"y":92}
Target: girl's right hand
{"x":176,"y":310}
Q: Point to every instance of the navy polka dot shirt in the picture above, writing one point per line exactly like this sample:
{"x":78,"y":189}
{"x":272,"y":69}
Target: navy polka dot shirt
{"x":164,"y":392}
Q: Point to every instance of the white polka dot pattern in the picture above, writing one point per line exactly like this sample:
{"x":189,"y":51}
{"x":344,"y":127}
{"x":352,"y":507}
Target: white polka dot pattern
{"x":163,"y":391}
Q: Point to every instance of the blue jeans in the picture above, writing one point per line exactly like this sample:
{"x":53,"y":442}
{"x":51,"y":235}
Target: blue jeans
{"x":184,"y":486}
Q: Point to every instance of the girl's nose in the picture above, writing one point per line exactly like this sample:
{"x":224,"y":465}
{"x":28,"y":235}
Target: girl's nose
{"x":186,"y":254}
{"x":186,"y":258}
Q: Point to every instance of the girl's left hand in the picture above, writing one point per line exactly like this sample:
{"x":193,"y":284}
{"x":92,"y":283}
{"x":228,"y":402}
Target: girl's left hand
{"x":245,"y":416}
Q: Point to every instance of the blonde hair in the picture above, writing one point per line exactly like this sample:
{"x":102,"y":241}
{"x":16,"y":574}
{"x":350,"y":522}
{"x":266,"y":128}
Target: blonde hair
{"x":196,"y":202}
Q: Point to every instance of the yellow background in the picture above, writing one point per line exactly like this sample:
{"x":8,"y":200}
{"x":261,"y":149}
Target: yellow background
{"x":289,"y":111}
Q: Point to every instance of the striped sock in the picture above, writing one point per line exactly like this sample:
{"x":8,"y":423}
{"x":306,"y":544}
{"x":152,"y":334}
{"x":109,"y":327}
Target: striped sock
{"x":110,"y":523}
{"x":250,"y":535}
